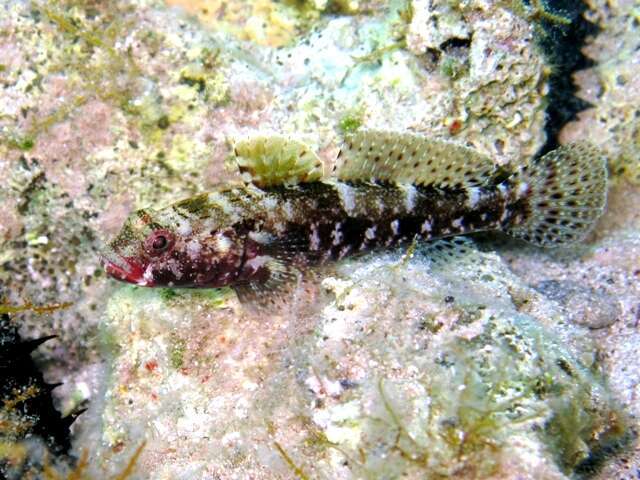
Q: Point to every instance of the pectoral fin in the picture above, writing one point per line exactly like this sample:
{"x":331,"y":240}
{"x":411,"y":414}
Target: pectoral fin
{"x":275,"y":269}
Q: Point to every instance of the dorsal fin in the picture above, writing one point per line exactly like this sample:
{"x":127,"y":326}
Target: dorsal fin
{"x":387,"y":156}
{"x":270,"y":160}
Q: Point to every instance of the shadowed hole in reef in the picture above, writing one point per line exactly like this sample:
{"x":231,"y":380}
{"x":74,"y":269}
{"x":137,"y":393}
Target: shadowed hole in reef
{"x":26,"y":403}
{"x":562,"y":45}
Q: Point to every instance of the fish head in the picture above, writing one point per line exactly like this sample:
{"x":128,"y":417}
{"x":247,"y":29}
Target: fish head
{"x":158,"y":248}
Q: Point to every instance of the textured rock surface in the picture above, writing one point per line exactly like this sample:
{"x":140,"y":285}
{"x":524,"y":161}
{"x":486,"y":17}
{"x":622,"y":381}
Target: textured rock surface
{"x":612,"y":87}
{"x":613,"y":123}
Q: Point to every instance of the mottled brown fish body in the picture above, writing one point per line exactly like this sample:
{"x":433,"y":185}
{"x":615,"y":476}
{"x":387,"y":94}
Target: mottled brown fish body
{"x":336,"y":219}
{"x":389,"y":189}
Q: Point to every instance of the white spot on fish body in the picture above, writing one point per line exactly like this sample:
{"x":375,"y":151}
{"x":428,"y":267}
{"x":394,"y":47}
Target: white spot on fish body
{"x":260,"y":237}
{"x":175,"y":268}
{"x":314,"y":238}
{"x":269,"y":203}
{"x":280,"y":227}
{"x":219,"y":200}
{"x":184,"y":227}
{"x":522,"y":190}
{"x":504,"y":215}
{"x":457,"y":223}
{"x":426,"y":227}
{"x":147,"y":276}
{"x":347,"y":196}
{"x":257,"y":262}
{"x":208,"y":225}
{"x":411,"y":194}
{"x":336,"y":235}
{"x":193,"y":249}
{"x":395,"y":227}
{"x":370,"y":233}
{"x":473,"y":197}
{"x":287,"y":208}
{"x":223,"y":244}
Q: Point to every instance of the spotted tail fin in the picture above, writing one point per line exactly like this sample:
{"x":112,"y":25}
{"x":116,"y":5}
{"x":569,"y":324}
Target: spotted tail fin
{"x":560,"y":196}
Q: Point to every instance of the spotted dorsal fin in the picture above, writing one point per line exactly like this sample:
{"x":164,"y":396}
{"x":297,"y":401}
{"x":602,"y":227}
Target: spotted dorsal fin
{"x":386,"y":156}
{"x":271,"y":160}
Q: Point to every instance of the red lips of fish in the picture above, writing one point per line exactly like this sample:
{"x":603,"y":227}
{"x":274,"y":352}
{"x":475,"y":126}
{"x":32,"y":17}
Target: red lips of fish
{"x":133,"y":272}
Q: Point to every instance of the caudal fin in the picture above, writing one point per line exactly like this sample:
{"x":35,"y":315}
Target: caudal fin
{"x":561,"y":195}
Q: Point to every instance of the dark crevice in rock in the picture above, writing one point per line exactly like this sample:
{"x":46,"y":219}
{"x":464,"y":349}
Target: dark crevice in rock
{"x":562,"y":45}
{"x":453,"y":43}
{"x":26,"y":405}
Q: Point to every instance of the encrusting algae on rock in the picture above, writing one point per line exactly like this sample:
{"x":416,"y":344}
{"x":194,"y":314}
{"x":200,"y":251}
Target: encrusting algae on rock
{"x":389,"y":188}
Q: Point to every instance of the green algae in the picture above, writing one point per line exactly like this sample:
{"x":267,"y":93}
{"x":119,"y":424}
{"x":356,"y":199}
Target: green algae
{"x":289,"y":461}
{"x":176,"y":297}
{"x":627,"y":165}
{"x":350,"y":123}
{"x":196,"y":205}
{"x":178,"y":347}
{"x":453,"y":68}
{"x":536,"y":12}
{"x":29,"y":307}
{"x":99,"y":70}
{"x":107,"y":341}
{"x":24,"y":143}
{"x":580,"y":434}
{"x":88,"y":74}
{"x":79,"y":61}
{"x":203,"y":75}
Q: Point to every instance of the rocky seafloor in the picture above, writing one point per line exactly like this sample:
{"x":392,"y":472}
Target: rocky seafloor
{"x":486,"y":359}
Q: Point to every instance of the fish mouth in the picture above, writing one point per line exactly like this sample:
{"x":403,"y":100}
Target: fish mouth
{"x":125,"y":269}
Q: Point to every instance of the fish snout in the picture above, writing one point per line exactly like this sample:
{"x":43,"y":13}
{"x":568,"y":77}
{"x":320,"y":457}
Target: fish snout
{"x":125,"y":269}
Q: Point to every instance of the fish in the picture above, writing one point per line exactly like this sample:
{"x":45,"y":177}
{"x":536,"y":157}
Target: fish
{"x":387,"y":189}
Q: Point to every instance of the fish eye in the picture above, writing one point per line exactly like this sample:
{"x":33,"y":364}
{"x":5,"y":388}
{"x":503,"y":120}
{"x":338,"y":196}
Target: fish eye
{"x":159,"y":242}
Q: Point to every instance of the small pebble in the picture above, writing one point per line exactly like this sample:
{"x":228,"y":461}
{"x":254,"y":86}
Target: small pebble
{"x":585,"y":306}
